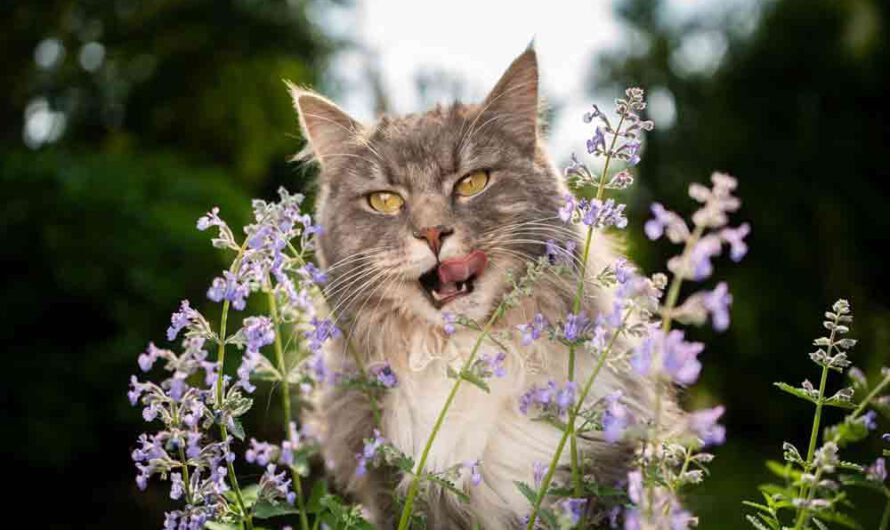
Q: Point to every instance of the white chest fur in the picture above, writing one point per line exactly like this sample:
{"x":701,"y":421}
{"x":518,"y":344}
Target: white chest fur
{"x":478,"y":426}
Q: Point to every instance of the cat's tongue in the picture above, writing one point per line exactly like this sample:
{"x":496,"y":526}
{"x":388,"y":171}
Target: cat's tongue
{"x":455,"y":270}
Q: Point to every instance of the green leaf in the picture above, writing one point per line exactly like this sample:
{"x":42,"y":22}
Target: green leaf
{"x":237,"y":429}
{"x":319,"y":490}
{"x":760,"y":507}
{"x":448,"y":485}
{"x":839,"y":403}
{"x":757,"y":524}
{"x":548,"y":517}
{"x":213,"y":525}
{"x":794,"y":391}
{"x":474,"y":379}
{"x":839,"y":518}
{"x":265,"y":509}
{"x":527,"y":491}
{"x":249,"y":495}
{"x":782,"y":470}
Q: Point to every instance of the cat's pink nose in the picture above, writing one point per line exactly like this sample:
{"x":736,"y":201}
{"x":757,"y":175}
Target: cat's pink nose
{"x":434,"y":236}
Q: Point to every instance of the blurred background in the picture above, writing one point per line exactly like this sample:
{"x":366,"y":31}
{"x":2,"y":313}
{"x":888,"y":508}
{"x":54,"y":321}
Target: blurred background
{"x":123,"y":121}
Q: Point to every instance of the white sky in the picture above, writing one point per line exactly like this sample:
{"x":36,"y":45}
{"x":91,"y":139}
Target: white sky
{"x":475,"y":40}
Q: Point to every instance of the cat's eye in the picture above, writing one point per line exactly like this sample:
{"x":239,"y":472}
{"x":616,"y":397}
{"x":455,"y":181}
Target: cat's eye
{"x":472,"y":183}
{"x":385,"y":202}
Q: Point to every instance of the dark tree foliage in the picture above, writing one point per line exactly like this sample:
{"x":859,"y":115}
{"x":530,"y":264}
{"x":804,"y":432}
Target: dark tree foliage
{"x":798,"y":111}
{"x":185,"y":110}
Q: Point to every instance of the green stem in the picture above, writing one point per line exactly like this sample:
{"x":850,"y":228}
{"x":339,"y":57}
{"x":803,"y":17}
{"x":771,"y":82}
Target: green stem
{"x":224,"y":432}
{"x":870,"y":397}
{"x":573,"y":413}
{"x":286,"y":405}
{"x":576,"y":307}
{"x":405,"y":519}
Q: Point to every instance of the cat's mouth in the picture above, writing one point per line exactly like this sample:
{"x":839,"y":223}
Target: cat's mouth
{"x":453,"y":277}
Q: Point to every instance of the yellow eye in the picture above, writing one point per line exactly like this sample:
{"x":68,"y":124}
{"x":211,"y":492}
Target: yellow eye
{"x":385,"y":202}
{"x":472,"y":183}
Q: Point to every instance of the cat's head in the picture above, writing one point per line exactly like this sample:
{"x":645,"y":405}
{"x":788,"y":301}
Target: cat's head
{"x":429,"y":212}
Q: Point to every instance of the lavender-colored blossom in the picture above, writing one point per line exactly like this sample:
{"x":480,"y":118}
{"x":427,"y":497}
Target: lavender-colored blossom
{"x":870,"y":420}
{"x":450,"y":319}
{"x":475,"y":474}
{"x":310,"y":272}
{"x":177,"y":488}
{"x":322,"y":331}
{"x":230,"y":288}
{"x":541,"y":397}
{"x":678,"y":358}
{"x":532,"y":331}
{"x":877,"y":472}
{"x":276,"y":484}
{"x":886,"y":437}
{"x":384,"y":375}
{"x":575,"y":326}
{"x":599,"y":214}
{"x":616,"y":417}
{"x":565,"y":397}
{"x":494,"y":364}
{"x":735,"y":237}
{"x":631,"y":152}
{"x":698,"y":266}
{"x":290,"y":446}
{"x":570,"y":512}
{"x":589,"y":116}
{"x":258,"y":332}
{"x":704,"y":424}
{"x":621,"y":180}
{"x":664,"y":222}
{"x":560,"y":254}
{"x":261,"y":453}
{"x":717,"y":303}
{"x":369,"y":451}
{"x":538,"y":470}
{"x":565,"y":213}
{"x":181,"y":319}
{"x":598,"y":142}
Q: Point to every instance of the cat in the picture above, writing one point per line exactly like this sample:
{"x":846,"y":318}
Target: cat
{"x":424,"y":215}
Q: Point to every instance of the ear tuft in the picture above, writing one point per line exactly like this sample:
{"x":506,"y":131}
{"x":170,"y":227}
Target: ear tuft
{"x":326,"y":127}
{"x":514,"y":98}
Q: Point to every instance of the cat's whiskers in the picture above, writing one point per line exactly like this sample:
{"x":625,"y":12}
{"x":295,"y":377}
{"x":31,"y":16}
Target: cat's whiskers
{"x":392,"y":283}
{"x":364,"y":284}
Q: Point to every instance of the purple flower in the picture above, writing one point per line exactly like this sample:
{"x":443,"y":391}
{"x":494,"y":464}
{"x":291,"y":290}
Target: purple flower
{"x":181,"y":319}
{"x":475,"y":474}
{"x":176,"y":486}
{"x":735,"y":237}
{"x":877,"y":471}
{"x":209,"y":219}
{"x":869,"y":419}
{"x":665,"y":221}
{"x":313,"y":273}
{"x":559,"y":255}
{"x":229,"y":288}
{"x":538,"y":470}
{"x":565,"y":397}
{"x":699,"y":266}
{"x":494,"y":364}
{"x":589,"y":116}
{"x":616,"y":417}
{"x":136,"y":390}
{"x":384,"y":375}
{"x":532,"y":331}
{"x":704,"y":424}
{"x":631,"y":153}
{"x":571,"y":511}
{"x":322,"y":331}
{"x":565,"y":213}
{"x":450,"y":319}
{"x":598,"y":142}
{"x":540,"y":396}
{"x":601,"y":214}
{"x":886,"y":437}
{"x":147,"y":359}
{"x":261,"y":453}
{"x":289,"y":446}
{"x":276,"y":484}
{"x":680,"y":358}
{"x":717,"y":302}
{"x":258,"y":332}
{"x":575,"y":326}
{"x":369,"y":451}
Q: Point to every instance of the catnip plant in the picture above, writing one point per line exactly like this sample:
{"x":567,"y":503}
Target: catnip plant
{"x":193,"y":402}
{"x":814,"y":488}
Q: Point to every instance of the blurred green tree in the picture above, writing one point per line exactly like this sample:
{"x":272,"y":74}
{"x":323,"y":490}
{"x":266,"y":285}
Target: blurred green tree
{"x":121,"y":123}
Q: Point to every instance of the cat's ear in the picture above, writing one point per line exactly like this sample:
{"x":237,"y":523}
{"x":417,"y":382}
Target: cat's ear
{"x":326,"y":127}
{"x":514,"y":100}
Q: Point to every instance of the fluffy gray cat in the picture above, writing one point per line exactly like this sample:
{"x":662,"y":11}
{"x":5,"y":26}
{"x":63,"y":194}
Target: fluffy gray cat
{"x":425,"y":214}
